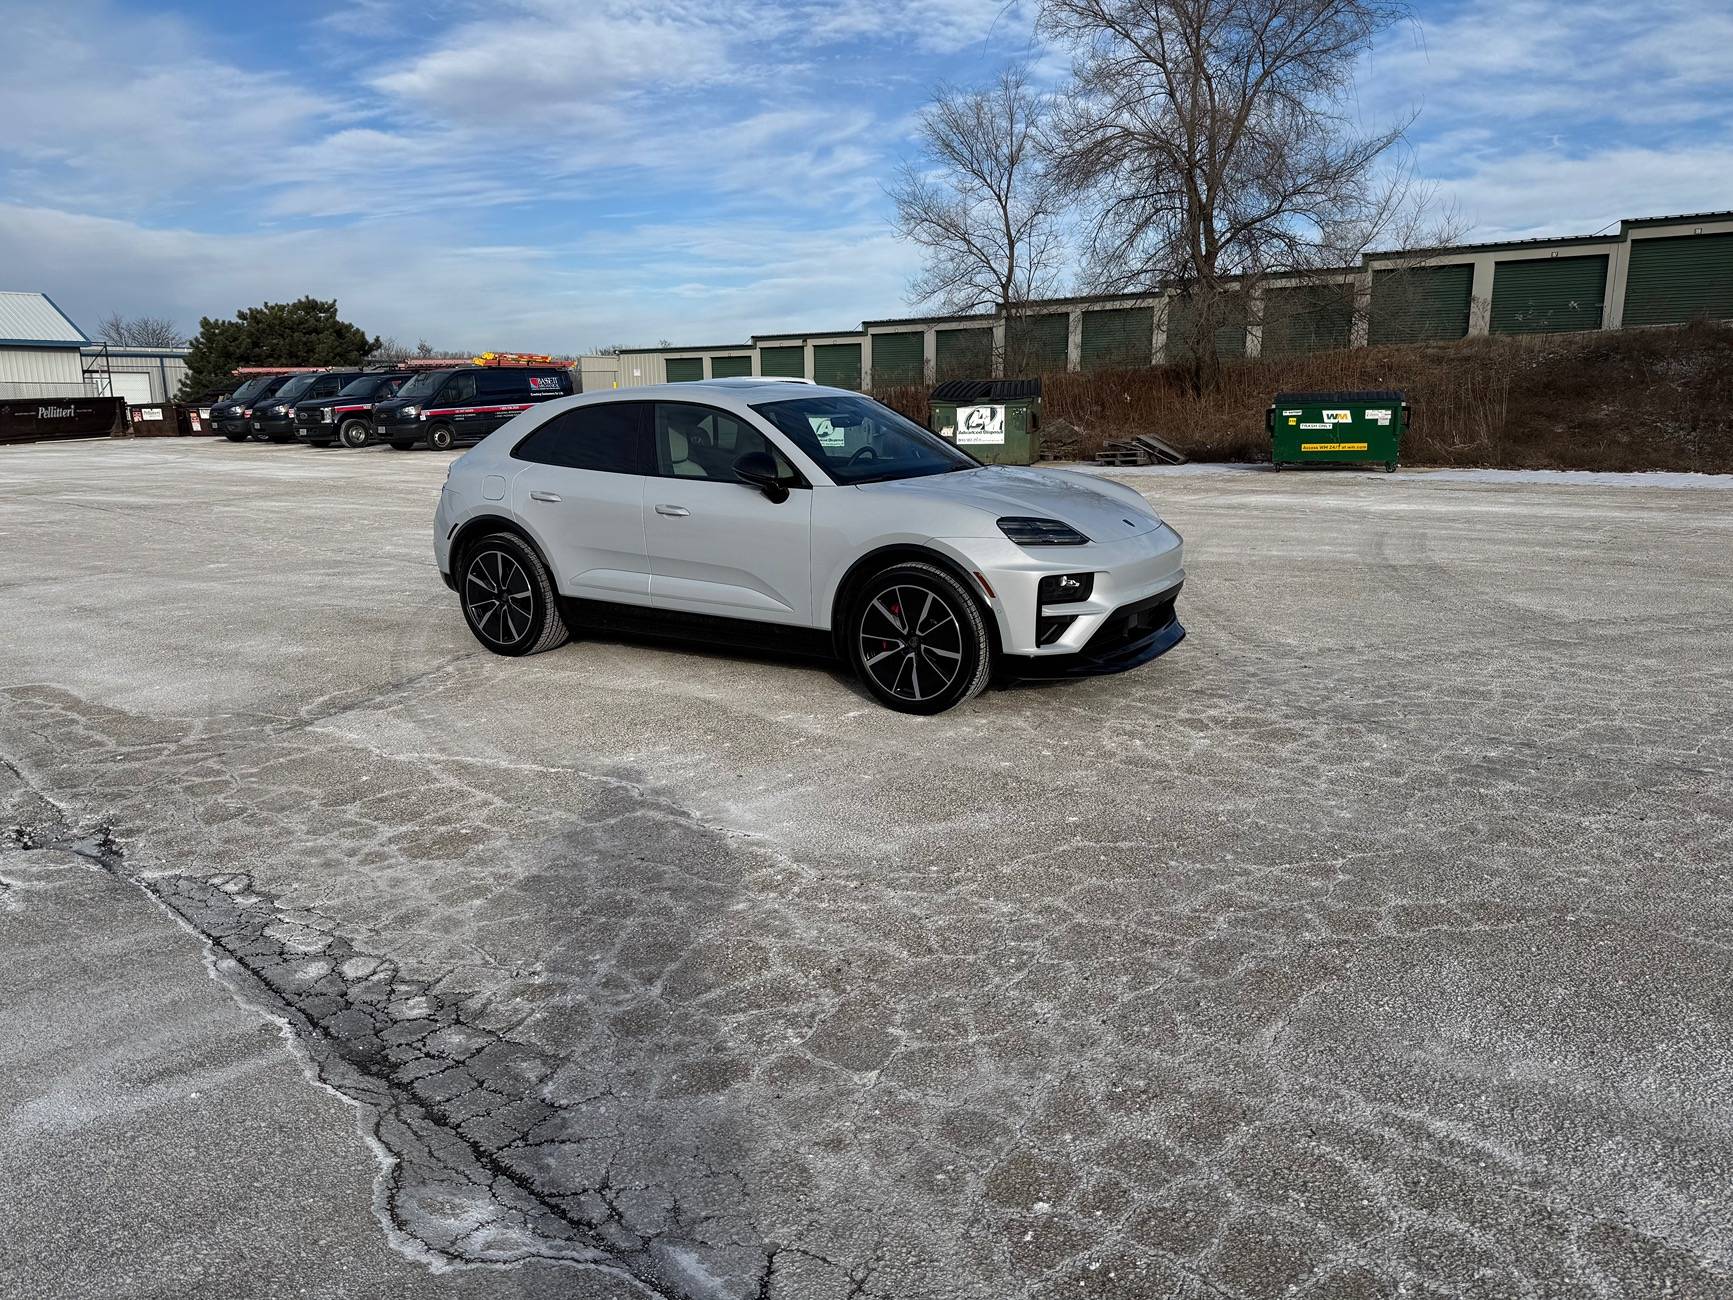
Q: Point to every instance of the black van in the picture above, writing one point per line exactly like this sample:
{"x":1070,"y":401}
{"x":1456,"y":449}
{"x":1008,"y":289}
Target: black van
{"x":441,"y":408}
{"x":348,"y":417}
{"x":232,"y":417}
{"x":274,"y":417}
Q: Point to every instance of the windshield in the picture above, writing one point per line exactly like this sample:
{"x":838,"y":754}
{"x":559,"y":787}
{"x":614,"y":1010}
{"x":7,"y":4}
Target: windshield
{"x":426,"y":384}
{"x":251,"y":389}
{"x":295,"y":387}
{"x":367,"y":385}
{"x":855,"y":440}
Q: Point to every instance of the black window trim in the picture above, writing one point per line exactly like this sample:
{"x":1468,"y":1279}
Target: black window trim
{"x":773,"y":436}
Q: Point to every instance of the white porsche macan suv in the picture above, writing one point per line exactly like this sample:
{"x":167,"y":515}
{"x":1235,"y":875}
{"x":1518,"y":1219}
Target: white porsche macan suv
{"x":775,"y":513}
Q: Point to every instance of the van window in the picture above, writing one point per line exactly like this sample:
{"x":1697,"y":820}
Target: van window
{"x":459,"y":389}
{"x":501,"y":385}
{"x":606,"y":437}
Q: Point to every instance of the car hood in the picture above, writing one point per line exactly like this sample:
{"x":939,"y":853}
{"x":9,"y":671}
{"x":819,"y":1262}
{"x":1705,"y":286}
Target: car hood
{"x":1101,"y":510}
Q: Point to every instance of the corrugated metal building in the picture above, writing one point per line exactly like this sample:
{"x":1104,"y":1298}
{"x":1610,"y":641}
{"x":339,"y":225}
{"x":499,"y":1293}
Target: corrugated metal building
{"x":39,"y":348}
{"x":141,"y":375}
{"x":1650,"y":271}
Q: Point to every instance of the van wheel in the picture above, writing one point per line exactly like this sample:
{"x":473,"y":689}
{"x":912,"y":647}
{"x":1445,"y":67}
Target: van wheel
{"x":508,"y":598}
{"x":353,"y":433}
{"x":440,"y":437}
{"x":918,"y":640}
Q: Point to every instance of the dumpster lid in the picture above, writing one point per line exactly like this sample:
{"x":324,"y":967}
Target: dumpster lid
{"x":1389,"y":395}
{"x":985,"y":390}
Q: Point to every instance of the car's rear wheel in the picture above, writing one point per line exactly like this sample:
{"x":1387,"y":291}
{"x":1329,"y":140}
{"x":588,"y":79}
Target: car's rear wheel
{"x":353,"y":433}
{"x":440,"y":437}
{"x":918,"y":640}
{"x":508,"y":597}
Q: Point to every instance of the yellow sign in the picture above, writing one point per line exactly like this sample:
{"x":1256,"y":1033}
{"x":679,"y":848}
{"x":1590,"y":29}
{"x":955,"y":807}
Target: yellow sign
{"x":1332,"y":446}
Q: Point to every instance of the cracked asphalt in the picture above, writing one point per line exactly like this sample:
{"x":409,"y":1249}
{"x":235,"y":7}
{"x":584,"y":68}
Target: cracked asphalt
{"x":1373,"y":943}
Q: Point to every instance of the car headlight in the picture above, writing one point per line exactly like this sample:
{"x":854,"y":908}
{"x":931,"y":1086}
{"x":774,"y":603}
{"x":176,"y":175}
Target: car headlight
{"x":411,"y":411}
{"x":325,"y":416}
{"x":1028,"y":531}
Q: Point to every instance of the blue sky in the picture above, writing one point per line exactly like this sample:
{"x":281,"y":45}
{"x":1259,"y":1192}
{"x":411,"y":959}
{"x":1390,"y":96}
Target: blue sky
{"x":526,"y":174}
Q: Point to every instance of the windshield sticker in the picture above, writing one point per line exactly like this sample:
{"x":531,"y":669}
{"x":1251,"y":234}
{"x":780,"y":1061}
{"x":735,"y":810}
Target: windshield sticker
{"x":980,"y":424}
{"x":828,"y":434}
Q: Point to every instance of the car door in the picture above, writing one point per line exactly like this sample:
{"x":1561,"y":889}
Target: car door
{"x":719,"y":546}
{"x":580,"y":492}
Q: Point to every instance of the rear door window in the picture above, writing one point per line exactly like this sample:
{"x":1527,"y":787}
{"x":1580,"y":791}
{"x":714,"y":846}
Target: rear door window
{"x":702,"y":442}
{"x":607,"y":437}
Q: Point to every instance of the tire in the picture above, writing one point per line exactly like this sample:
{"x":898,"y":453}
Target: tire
{"x":397,"y":444}
{"x":354,"y":433}
{"x":525,"y":624}
{"x":440,"y":437}
{"x":235,"y":437}
{"x":904,"y":664}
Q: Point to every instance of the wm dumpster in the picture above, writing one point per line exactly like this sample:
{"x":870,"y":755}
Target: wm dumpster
{"x":997,"y":420}
{"x":1337,"y":428}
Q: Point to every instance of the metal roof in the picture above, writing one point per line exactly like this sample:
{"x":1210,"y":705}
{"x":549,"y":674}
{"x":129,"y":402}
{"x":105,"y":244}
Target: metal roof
{"x":32,"y":318}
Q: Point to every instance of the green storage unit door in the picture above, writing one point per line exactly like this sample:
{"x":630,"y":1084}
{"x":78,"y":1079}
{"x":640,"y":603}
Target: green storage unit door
{"x":1548,"y":295}
{"x":1122,"y":336}
{"x":787,"y":362}
{"x":899,"y":359}
{"x":1036,"y":345}
{"x":685,"y":370}
{"x":963,"y":354}
{"x":836,"y":365}
{"x":1678,"y":279}
{"x":1421,"y":304}
{"x":1230,"y":334}
{"x":1307,"y":318}
{"x":729,"y":367}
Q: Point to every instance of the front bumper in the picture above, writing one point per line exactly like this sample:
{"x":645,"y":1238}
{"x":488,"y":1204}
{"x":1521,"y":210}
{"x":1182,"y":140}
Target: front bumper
{"x":1130,"y":637}
{"x":1126,"y":573}
{"x":281,"y":426}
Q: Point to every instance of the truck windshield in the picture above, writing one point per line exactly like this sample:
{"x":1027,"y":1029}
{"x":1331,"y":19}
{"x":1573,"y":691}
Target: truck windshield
{"x":251,"y":389}
{"x":367,"y":385}
{"x":295,"y":387}
{"x":856,"y":440}
{"x":426,"y":384}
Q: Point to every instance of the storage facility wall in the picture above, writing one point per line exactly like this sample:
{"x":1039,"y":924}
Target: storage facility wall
{"x":596,"y":374}
{"x":1548,"y":295}
{"x":685,"y":370}
{"x":1421,"y":304}
{"x":1680,"y":278}
{"x":963,"y":354}
{"x":1036,"y":345}
{"x":788,"y":362}
{"x":730,"y":367}
{"x":41,"y":372}
{"x":836,"y":365}
{"x":899,"y":358}
{"x":638,"y":369}
{"x":1307,"y":318}
{"x":1118,"y":337}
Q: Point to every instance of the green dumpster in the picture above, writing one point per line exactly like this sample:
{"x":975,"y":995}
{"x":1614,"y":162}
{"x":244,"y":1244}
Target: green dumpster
{"x":995,"y":420}
{"x":1337,"y":428}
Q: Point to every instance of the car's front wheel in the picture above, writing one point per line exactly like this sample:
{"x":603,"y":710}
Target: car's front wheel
{"x":353,"y":434}
{"x":440,"y":437}
{"x":918,"y":640}
{"x":508,"y":596}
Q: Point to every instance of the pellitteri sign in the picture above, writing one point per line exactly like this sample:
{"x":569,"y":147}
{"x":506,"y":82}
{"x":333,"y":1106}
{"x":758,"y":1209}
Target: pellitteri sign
{"x":32,"y":419}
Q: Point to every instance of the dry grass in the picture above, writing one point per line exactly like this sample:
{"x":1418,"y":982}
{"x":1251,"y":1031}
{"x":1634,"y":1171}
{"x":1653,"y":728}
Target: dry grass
{"x":1625,"y":400}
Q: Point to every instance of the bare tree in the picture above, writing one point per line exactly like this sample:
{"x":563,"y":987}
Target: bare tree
{"x":141,"y":331}
{"x":1212,"y":143}
{"x":389,"y":349}
{"x":980,"y":201}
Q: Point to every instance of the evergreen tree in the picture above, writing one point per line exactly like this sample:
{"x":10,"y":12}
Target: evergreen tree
{"x":302,"y":333}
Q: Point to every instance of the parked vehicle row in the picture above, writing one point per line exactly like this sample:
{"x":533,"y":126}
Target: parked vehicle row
{"x":441,"y":407}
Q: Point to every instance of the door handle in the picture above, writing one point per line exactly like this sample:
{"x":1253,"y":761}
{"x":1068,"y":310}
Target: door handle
{"x":544,"y":496}
{"x":676,"y":512}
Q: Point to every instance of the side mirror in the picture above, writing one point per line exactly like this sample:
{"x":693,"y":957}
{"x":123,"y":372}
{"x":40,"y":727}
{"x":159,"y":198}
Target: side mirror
{"x":758,"y":468}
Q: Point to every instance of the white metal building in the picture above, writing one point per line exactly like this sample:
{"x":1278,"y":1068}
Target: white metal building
{"x":39,"y":348}
{"x":141,"y":375}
